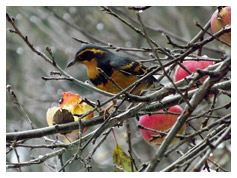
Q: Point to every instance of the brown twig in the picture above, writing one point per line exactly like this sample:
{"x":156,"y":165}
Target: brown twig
{"x":11,"y":91}
{"x":47,"y":59}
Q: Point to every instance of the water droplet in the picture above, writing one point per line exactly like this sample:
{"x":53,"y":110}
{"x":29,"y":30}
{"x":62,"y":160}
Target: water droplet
{"x":72,"y":10}
{"x":66,"y":16}
{"x":20,"y":50}
{"x":128,"y":44}
{"x":19,"y":16}
{"x":100,"y":26}
{"x":40,"y":156}
{"x":34,"y":19}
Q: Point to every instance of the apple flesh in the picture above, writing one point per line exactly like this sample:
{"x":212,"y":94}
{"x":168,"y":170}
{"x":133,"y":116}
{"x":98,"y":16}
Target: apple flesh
{"x":192,"y":66}
{"x":159,"y":122}
{"x":219,"y":20}
{"x":69,"y":104}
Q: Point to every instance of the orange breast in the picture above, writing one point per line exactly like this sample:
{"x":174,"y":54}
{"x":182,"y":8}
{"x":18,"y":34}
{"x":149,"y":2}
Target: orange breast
{"x":123,"y":81}
{"x":91,"y":65}
{"x":118,"y":77}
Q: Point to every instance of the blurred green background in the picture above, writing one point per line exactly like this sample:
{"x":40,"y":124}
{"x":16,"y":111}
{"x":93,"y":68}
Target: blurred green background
{"x":44,"y":28}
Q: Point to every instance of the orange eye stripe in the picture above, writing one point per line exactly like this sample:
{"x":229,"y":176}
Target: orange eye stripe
{"x":92,"y":50}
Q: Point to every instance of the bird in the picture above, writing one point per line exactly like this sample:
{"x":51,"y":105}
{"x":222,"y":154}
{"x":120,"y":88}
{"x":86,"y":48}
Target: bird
{"x":111,"y":72}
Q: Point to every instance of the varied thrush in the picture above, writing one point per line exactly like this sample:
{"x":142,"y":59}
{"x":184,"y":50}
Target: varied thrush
{"x":122,"y":70}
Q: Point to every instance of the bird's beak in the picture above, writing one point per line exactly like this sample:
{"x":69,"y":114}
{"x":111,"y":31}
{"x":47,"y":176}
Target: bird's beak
{"x":71,"y":63}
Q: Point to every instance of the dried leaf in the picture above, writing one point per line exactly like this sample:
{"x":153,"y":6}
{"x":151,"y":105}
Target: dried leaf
{"x":121,"y":160}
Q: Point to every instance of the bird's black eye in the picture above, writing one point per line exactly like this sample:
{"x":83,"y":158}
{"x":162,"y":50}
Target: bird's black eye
{"x":88,"y":55}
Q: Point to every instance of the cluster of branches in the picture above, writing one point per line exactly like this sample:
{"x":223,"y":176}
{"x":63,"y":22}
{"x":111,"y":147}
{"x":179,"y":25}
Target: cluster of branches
{"x":218,"y":83}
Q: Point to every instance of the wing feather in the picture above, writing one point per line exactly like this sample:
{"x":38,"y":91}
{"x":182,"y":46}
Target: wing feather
{"x":128,"y":66}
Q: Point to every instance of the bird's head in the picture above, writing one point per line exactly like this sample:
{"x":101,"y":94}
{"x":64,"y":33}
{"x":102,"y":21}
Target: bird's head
{"x":88,"y":52}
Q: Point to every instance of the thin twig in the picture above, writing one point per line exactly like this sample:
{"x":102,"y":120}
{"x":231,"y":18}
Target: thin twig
{"x":11,"y":91}
{"x":196,"y":99}
{"x":130,"y":150}
{"x":161,"y":65}
{"x":109,"y":11}
{"x":37,"y":133}
{"x":211,"y":34}
{"x":53,"y":63}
